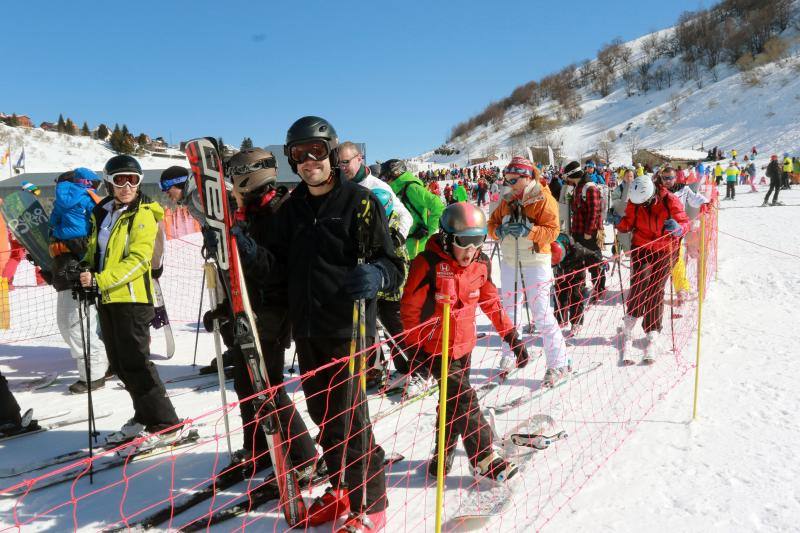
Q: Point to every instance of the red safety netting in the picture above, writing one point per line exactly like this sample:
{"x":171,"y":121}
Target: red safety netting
{"x":598,"y":407}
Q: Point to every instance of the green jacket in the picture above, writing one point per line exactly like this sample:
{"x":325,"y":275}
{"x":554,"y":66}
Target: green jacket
{"x":425,"y":208}
{"x":460,"y":194}
{"x":125,"y":275}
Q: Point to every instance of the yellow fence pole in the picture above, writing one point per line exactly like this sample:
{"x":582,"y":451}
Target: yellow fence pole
{"x":448,"y":288}
{"x":701,"y":293}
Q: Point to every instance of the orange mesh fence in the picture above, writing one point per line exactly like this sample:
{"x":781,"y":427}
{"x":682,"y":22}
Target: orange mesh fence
{"x":597,"y":408}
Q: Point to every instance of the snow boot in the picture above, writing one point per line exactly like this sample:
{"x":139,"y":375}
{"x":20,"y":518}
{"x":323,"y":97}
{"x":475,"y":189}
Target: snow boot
{"x":328,"y":507}
{"x":129,"y":431}
{"x":495,"y":468}
{"x":364,"y":523}
{"x":553,"y":376}
{"x":80,"y":387}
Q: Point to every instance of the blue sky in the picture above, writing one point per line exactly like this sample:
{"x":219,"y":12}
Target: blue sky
{"x":396,"y":75}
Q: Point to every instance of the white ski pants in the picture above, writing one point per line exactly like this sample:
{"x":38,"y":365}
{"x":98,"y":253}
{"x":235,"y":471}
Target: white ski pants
{"x":538,"y":283}
{"x":69,"y":325}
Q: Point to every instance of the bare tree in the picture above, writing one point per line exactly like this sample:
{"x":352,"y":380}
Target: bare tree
{"x":633,"y":143}
{"x":604,"y":147}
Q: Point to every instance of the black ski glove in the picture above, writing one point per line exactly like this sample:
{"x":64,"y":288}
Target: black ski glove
{"x":364,"y":281}
{"x":156,"y":272}
{"x":219,"y":313}
{"x":247,"y":246}
{"x":518,"y":347}
{"x":419,"y":233}
{"x":209,"y":239}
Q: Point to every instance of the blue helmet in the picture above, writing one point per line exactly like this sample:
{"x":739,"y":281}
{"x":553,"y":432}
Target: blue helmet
{"x":385,"y":198}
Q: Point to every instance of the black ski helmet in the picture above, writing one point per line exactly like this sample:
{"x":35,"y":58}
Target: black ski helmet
{"x":312,"y":128}
{"x":573,"y":170}
{"x":392,"y":169}
{"x":175,"y":175}
{"x":120,"y":164}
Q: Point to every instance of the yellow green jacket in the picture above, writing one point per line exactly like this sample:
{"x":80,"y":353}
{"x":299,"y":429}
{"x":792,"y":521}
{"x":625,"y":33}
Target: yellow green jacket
{"x":787,"y":164}
{"x":125,"y":275}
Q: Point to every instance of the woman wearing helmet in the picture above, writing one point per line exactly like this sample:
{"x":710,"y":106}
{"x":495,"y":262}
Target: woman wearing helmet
{"x":119,"y":254}
{"x":658,"y":221}
{"x":455,"y":252}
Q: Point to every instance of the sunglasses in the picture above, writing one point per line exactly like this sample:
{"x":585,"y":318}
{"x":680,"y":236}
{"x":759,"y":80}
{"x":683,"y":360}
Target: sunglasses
{"x":345,"y":162}
{"x":668,"y":178}
{"x":239,"y":170}
{"x":314,"y":150}
{"x":469,"y":241}
{"x":126,"y":179}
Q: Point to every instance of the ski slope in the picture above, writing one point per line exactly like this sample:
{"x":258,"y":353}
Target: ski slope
{"x":729,"y":470}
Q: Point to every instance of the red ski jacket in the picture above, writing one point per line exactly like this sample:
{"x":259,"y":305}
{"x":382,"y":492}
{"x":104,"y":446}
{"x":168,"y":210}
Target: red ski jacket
{"x":647,"y":221}
{"x":473,"y":288}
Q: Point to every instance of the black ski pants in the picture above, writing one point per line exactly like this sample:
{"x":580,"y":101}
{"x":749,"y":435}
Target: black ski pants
{"x":274,"y":332}
{"x":389,"y":315}
{"x":463,"y":417}
{"x":126,"y":334}
{"x":9,"y":408}
{"x":571,"y":293}
{"x":597,"y":272}
{"x":774,"y":185}
{"x":650,"y":271}
{"x":326,"y":398}
{"x":785,"y":180}
{"x":730,"y":190}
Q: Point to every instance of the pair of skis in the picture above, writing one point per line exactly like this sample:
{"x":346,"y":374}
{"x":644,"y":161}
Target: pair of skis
{"x":207,"y":169}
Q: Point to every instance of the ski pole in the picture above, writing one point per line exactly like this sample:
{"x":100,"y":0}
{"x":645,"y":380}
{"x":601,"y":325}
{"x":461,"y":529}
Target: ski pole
{"x":525,"y":299}
{"x":197,"y":328}
{"x":80,"y":294}
{"x":211,"y":282}
{"x":448,"y":290}
{"x":618,"y":261}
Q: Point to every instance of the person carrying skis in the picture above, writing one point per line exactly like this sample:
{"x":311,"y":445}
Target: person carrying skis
{"x":425,"y":207}
{"x":586,"y":224}
{"x":331,"y":238}
{"x":456,"y":252}
{"x":570,"y":260}
{"x":254,"y":175}
{"x":70,"y":223}
{"x":119,"y":254}
{"x":179,"y":185}
{"x":658,"y":221}
{"x":526,"y":223}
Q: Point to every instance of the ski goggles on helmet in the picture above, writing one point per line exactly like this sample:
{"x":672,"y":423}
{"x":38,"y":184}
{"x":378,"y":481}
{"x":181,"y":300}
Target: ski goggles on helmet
{"x":123,"y":179}
{"x":518,"y":170}
{"x":468,"y":241}
{"x":239,"y":170}
{"x":314,"y":150}
{"x":168,"y":184}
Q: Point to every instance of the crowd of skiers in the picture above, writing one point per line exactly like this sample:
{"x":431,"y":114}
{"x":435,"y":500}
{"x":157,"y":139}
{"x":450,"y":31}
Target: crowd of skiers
{"x":350,"y":232}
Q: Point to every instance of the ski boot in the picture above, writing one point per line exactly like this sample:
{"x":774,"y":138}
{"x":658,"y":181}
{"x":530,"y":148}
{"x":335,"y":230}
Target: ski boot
{"x":553,"y":376}
{"x":495,"y":468}
{"x":433,"y":463}
{"x":364,"y":523}
{"x":652,"y":347}
{"x":777,"y":203}
{"x":328,"y":507}
{"x":129,"y":431}
{"x":243,"y":465}
{"x":80,"y":387}
{"x":629,"y":323}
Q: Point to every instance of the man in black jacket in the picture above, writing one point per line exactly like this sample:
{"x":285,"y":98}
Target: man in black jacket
{"x":774,"y":173}
{"x":315,"y":239}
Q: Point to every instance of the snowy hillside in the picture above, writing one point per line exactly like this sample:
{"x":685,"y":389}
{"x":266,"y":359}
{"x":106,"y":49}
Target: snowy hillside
{"x":47,"y":151}
{"x":725,"y":108}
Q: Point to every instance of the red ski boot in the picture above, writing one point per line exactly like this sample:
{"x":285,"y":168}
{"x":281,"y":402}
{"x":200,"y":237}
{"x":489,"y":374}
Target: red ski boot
{"x":328,"y":507}
{"x":364,"y":523}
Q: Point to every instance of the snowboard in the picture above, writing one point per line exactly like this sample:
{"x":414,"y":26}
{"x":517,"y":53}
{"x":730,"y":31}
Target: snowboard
{"x":162,"y":320}
{"x":29,"y":223}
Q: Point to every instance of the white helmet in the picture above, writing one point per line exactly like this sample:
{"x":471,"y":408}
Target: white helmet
{"x":642,"y":189}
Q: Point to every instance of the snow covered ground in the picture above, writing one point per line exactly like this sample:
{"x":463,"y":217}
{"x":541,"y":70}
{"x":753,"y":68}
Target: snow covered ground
{"x":731,"y":470}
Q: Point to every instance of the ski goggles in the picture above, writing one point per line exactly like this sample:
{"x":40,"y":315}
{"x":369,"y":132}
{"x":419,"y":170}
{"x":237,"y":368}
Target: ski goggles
{"x":168,"y":184}
{"x":511,"y":181}
{"x":263,"y":164}
{"x":314,"y":150}
{"x":518,"y":170}
{"x":669,"y":178}
{"x":468,"y":241}
{"x":125,"y":178}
